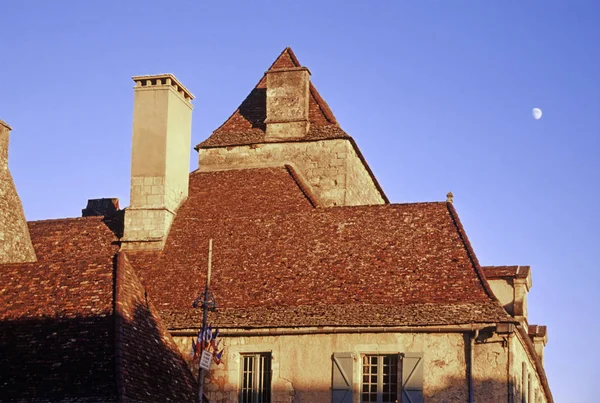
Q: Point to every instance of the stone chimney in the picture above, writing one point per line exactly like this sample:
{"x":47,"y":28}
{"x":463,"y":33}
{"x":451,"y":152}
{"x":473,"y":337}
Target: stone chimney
{"x":162,"y":124}
{"x":287,"y":102}
{"x":15,"y":243}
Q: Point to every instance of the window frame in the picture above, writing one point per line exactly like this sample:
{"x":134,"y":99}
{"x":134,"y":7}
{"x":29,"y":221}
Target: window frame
{"x":258,"y":377}
{"x":380,"y":375}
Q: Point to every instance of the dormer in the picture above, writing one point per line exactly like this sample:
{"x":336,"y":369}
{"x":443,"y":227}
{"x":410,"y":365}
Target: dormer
{"x":510,"y":285}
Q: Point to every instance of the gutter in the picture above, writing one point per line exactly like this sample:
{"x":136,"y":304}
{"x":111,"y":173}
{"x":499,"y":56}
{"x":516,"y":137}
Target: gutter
{"x":332,"y":330}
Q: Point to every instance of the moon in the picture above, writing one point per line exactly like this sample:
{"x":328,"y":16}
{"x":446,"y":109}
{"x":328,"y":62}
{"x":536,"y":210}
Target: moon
{"x":537,"y":113}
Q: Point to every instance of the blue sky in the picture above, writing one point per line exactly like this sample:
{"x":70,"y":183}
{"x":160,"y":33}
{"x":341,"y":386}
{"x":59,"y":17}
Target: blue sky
{"x":438,"y":95}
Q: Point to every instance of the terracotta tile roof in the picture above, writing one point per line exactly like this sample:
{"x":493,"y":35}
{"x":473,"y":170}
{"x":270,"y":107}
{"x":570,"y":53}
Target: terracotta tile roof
{"x":497,"y":272}
{"x":239,"y":193}
{"x":56,"y":315}
{"x":292,"y":265}
{"x":246,"y":124}
{"x":57,"y":319}
{"x":149,"y":365}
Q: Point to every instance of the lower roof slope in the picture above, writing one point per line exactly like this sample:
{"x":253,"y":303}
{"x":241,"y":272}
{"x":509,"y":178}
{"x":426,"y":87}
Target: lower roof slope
{"x":279,"y":262}
{"x":56,"y":315}
{"x":58,"y":333}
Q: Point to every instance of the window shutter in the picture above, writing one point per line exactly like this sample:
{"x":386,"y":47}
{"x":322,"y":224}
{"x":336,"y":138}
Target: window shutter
{"x":341,"y":382}
{"x":412,"y":378}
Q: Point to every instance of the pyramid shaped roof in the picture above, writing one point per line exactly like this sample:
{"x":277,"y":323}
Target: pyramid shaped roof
{"x":246,"y":125}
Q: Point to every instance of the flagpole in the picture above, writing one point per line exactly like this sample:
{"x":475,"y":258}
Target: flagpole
{"x":202,"y":371}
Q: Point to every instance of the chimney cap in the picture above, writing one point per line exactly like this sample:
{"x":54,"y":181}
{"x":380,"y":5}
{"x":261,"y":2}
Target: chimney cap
{"x":174,"y":81}
{"x":3,"y":123}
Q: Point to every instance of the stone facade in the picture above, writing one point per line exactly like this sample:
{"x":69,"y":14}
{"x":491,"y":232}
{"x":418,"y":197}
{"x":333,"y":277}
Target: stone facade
{"x":162,"y":121}
{"x":15,"y":243}
{"x":302,"y":364}
{"x":332,"y":168}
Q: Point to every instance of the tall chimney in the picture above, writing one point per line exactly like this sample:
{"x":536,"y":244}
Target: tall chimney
{"x":162,"y":124}
{"x":287,"y":102}
{"x":15,"y":243}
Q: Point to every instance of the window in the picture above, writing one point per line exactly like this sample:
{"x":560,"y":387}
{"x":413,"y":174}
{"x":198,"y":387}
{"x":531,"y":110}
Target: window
{"x":255,"y":378}
{"x":384,"y":378}
{"x":524,"y":385}
{"x":380,"y":378}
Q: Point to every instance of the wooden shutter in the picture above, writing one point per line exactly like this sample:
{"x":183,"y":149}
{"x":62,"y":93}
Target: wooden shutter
{"x":341,"y":381}
{"x":412,"y":378}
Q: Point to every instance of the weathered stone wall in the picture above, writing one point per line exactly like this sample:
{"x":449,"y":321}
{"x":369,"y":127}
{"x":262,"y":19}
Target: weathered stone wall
{"x":490,"y":360}
{"x":302,"y":364}
{"x":332,"y":168}
{"x":524,"y":376}
{"x":15,"y":243}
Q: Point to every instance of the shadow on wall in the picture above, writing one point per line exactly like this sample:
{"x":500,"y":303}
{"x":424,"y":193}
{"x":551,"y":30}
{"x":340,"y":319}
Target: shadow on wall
{"x":74,"y":360}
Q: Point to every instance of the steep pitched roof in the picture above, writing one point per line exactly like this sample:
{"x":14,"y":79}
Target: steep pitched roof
{"x":57,"y":321}
{"x":288,"y":264}
{"x":56,"y":315}
{"x":246,"y":124}
{"x":149,"y":365}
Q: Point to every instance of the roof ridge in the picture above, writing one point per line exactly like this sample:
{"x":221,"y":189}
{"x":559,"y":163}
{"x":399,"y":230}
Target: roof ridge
{"x":247,"y":116}
{"x":288,"y":50}
{"x":472,"y":257}
{"x":294,"y":59}
{"x":95,"y":217}
{"x":305,"y":188}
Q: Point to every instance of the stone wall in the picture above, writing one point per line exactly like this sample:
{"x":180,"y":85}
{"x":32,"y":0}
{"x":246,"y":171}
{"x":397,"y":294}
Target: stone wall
{"x":332,"y":168}
{"x":15,"y":243}
{"x":302,"y":364}
{"x":526,"y":384}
